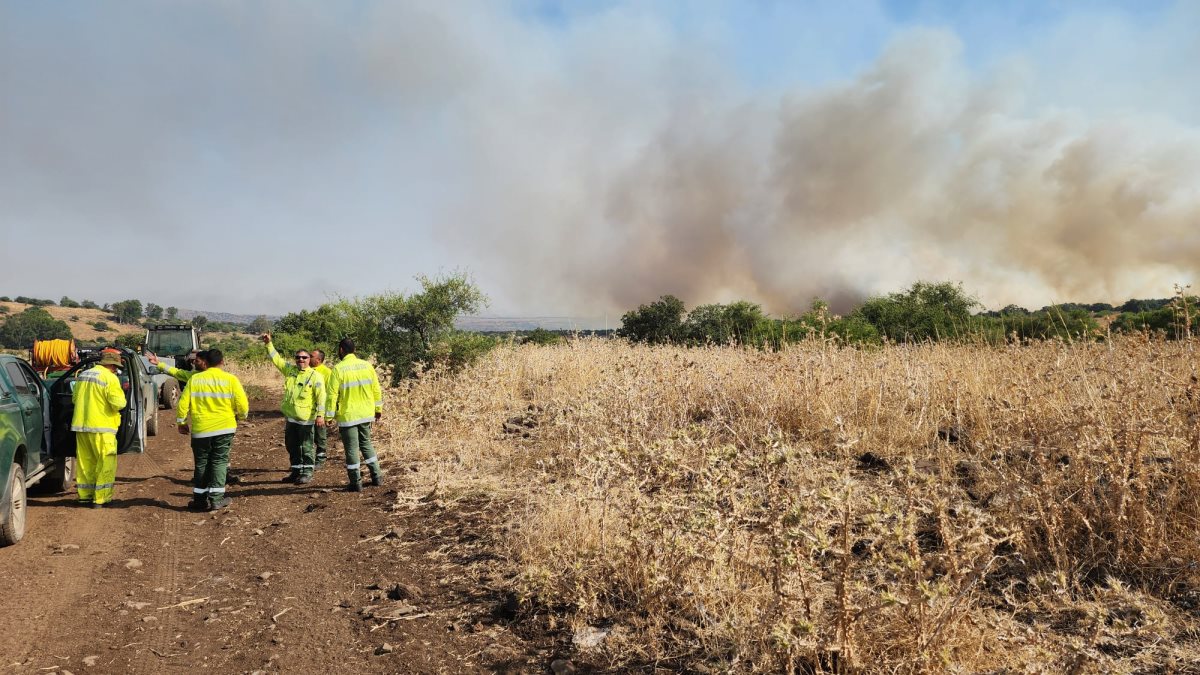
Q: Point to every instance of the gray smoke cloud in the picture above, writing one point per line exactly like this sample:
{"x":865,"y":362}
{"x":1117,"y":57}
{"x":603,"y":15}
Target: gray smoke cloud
{"x":914,"y":169}
{"x":593,"y":163}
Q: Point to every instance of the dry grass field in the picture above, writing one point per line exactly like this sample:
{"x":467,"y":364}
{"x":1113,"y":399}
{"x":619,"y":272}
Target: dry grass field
{"x":80,"y":321}
{"x":929,"y":508}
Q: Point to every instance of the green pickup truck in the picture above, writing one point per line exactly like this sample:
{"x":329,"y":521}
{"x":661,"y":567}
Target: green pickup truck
{"x":37,"y":445}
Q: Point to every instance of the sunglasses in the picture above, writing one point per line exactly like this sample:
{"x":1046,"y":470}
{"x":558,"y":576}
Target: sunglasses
{"x":301,"y":358}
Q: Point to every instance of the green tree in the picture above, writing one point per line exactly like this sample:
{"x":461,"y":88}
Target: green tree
{"x":172,"y":313}
{"x":153,"y":311}
{"x":412,"y":332}
{"x":261,"y":324}
{"x":740,"y":323}
{"x":67,"y":302}
{"x":926,"y":311}
{"x":20,"y":330}
{"x":127,"y":311}
{"x":88,"y":304}
{"x":656,"y":323}
{"x":199,"y":321}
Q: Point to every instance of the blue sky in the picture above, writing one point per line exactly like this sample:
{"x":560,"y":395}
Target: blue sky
{"x":583,"y":157}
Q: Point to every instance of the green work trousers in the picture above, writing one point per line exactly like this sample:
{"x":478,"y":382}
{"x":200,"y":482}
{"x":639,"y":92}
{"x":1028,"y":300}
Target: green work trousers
{"x":354,"y":439}
{"x":212,"y":462}
{"x":322,"y":436}
{"x":299,"y":441}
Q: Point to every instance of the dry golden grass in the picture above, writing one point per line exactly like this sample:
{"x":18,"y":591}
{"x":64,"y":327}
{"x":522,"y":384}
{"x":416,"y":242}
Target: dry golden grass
{"x":79,"y":320}
{"x":924,"y":508}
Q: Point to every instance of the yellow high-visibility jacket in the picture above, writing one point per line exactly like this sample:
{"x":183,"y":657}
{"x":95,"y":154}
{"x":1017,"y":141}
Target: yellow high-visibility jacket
{"x":354,"y":395}
{"x":98,"y":400}
{"x":181,"y":375}
{"x":325,"y":371}
{"x":215,"y":400}
{"x":303,"y":390}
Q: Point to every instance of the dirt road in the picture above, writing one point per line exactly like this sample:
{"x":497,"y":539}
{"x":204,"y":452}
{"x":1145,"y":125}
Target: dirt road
{"x":288,"y":579}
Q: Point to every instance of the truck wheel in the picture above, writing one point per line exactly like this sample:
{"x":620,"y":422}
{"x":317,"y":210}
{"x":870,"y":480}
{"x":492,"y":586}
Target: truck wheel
{"x":62,"y":476}
{"x":14,"y":528}
{"x":168,"y":394}
{"x":152,"y":420}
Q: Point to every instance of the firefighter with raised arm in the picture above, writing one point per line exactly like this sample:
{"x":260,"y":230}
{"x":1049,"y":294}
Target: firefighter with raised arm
{"x":303,"y":406}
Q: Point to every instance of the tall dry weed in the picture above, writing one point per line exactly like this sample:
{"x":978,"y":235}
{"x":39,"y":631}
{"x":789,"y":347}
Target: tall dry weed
{"x":920,"y":508}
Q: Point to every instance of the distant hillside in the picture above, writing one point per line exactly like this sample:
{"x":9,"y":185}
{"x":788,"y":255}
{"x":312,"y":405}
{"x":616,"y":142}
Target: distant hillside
{"x":80,"y":321}
{"x":83,"y":322}
{"x":224,"y":317}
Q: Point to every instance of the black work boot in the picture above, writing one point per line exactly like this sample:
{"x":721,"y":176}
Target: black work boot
{"x":376,"y":477}
{"x":219,"y":503}
{"x":355,"y":482}
{"x":291,"y":477}
{"x":198,"y":503}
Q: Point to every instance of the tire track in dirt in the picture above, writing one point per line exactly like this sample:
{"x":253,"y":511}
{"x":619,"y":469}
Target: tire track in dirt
{"x":166,"y":577}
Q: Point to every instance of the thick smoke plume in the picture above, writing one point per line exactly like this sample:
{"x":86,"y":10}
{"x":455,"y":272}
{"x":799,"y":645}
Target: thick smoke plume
{"x":594,"y":161}
{"x":911,"y":170}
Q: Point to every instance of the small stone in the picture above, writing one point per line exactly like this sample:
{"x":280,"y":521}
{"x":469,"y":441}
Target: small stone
{"x":133,"y":564}
{"x":90,"y":661}
{"x":149,"y":619}
{"x":384,"y":648}
{"x":258,"y":532}
{"x":136,"y":605}
{"x":562,"y":667}
{"x":265,"y":575}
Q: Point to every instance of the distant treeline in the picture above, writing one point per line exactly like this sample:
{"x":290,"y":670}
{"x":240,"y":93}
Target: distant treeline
{"x":927,"y":311}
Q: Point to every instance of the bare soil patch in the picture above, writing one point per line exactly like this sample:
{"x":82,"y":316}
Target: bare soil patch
{"x":288,"y":579}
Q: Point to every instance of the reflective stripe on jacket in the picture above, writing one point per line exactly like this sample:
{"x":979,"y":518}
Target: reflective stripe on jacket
{"x":303,"y":390}
{"x":354,"y":395}
{"x":215,"y":400}
{"x":98,"y":400}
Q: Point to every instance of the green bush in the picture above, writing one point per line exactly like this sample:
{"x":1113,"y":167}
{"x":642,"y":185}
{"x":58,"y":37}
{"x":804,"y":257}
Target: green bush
{"x":541,"y":336}
{"x":101,"y":326}
{"x":20,"y":330}
{"x":659,"y":322}
{"x":130,"y":340}
{"x":457,"y":349}
{"x":926,"y":311}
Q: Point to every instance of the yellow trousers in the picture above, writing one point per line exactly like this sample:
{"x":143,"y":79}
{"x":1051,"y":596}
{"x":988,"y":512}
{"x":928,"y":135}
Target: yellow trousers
{"x":95,"y":466}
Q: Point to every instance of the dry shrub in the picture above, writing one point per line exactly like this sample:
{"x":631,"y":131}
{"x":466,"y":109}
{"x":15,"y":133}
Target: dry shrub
{"x":905,"y":509}
{"x":260,"y":374}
